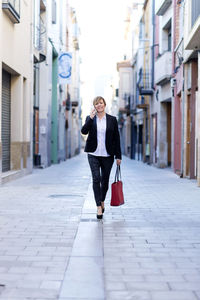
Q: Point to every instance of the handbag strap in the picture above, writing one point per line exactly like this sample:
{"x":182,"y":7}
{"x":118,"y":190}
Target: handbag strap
{"x":118,"y":174}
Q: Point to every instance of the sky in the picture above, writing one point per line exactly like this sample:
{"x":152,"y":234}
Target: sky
{"x":102,"y":24}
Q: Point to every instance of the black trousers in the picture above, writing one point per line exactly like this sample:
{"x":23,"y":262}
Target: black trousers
{"x":100,"y":167}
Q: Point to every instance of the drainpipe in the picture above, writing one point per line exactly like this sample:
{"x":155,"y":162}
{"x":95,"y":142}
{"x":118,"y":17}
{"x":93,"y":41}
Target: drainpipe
{"x":183,"y":114}
{"x":153,"y":45}
{"x":198,"y":116}
{"x":152,"y":79}
{"x":182,"y":124}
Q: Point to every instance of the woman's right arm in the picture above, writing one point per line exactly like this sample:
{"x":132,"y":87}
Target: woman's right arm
{"x":88,"y":124}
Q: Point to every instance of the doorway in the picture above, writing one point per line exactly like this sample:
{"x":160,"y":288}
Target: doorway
{"x":177,"y":135}
{"x":190,"y":137}
{"x":169,"y":132}
{"x":6,"y":120}
{"x":154,"y":120}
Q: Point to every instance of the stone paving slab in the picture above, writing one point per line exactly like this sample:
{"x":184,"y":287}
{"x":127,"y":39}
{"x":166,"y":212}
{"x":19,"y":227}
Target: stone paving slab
{"x":52,"y":246}
{"x":84,"y":275}
{"x":39,"y":219}
{"x":151,"y":242}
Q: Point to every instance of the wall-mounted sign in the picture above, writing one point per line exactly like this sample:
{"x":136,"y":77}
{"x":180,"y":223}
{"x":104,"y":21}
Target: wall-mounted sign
{"x":65,"y":67}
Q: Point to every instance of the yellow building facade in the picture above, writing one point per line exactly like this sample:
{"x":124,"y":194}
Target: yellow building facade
{"x":16,"y":77}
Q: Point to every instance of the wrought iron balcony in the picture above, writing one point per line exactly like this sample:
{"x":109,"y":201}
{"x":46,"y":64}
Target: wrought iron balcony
{"x":128,"y":104}
{"x":40,"y":39}
{"x":12,"y":9}
{"x":127,"y":99}
{"x":141,"y":103}
{"x":144,"y":83}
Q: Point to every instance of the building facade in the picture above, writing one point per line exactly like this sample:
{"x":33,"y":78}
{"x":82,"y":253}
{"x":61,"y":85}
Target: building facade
{"x":125,"y":97}
{"x":145,"y":81}
{"x":164,"y":111}
{"x":161,"y":110}
{"x":73,"y":102}
{"x":56,"y":128}
{"x":192,"y":86}
{"x":16,"y":87}
{"x":37,"y":107}
{"x":49,"y":94}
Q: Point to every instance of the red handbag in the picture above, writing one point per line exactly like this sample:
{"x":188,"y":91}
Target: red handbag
{"x":117,"y":197}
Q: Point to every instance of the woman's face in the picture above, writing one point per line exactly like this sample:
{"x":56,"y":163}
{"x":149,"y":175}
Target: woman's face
{"x":100,"y":106}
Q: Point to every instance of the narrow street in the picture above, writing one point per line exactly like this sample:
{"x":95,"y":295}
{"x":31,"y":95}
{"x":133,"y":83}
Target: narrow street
{"x":52,"y":246}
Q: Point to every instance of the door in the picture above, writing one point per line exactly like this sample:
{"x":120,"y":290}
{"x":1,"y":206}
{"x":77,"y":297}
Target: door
{"x":154,"y":120}
{"x":177,"y":136}
{"x":188,"y":127}
{"x":169,"y":128}
{"x":6,"y":120}
{"x":140,"y":143}
{"x":190,"y":137}
{"x":133,"y":140}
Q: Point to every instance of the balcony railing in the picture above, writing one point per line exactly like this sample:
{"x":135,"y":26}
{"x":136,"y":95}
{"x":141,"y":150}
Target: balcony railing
{"x":141,"y":102}
{"x":12,"y":9}
{"x":129,"y":104}
{"x":179,"y":54}
{"x":40,"y":37}
{"x":144,"y":83}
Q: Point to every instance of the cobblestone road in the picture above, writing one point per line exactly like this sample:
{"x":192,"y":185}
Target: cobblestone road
{"x":52,"y":246}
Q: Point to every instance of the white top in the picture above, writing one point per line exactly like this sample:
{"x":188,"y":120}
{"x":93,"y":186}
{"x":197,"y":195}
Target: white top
{"x":101,"y":138}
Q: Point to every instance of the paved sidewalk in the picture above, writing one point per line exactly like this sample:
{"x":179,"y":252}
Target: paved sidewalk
{"x":152,"y":244}
{"x":52,"y":246}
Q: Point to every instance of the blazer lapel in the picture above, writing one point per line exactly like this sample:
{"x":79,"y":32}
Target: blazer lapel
{"x":95,"y":122}
{"x":108,"y":123}
{"x":95,"y":125}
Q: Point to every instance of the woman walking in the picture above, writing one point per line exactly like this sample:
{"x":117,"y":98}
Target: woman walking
{"x":102,"y":145}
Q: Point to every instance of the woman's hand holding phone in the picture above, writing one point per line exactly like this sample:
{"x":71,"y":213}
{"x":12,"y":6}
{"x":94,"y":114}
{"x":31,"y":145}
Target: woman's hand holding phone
{"x":93,"y":113}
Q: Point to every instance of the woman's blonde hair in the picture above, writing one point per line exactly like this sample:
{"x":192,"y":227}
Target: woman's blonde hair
{"x":97,"y":99}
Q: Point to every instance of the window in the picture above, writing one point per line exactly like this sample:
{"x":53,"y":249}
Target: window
{"x":141,"y":29}
{"x":36,"y":23}
{"x":169,"y":40}
{"x":54,"y":12}
{"x":195,"y":10}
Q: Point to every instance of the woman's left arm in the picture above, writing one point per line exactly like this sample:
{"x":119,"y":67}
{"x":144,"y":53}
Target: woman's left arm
{"x":118,"y":147}
{"x":118,"y":161}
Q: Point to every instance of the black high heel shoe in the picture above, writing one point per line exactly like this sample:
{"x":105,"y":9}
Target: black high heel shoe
{"x":103,"y":209}
{"x":100,"y":217}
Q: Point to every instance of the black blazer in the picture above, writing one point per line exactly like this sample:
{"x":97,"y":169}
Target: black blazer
{"x":112,"y":135}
